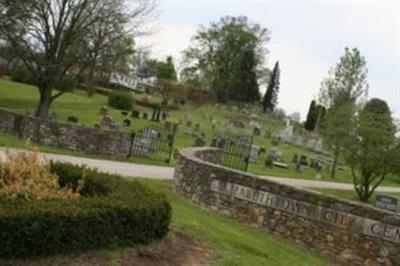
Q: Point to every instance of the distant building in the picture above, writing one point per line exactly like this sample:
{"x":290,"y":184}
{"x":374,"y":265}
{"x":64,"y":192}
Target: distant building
{"x":130,"y":82}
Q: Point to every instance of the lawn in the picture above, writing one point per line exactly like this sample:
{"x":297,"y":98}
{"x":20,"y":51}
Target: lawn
{"x":23,"y":98}
{"x":351,"y":194}
{"x":234,"y":243}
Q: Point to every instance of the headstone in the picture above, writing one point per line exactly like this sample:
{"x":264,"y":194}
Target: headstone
{"x":254,"y":151}
{"x":106,"y":120}
{"x":303,"y":160}
{"x":127,"y":123}
{"x":255,"y":127}
{"x":188,"y":120}
{"x":287,"y":133}
{"x":389,"y":203}
{"x":237,"y":123}
{"x":135,"y":114}
{"x":269,"y":161}
{"x":275,"y":154}
{"x":145,"y":116}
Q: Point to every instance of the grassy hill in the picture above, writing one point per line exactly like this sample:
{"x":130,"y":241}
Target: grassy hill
{"x":23,"y":98}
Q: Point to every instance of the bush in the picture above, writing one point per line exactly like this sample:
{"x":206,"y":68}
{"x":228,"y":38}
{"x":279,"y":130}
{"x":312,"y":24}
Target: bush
{"x":23,"y":177}
{"x":110,"y":212}
{"x":121,"y":100}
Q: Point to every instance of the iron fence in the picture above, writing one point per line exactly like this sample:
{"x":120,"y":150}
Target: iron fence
{"x":236,"y":151}
{"x":154,"y":143}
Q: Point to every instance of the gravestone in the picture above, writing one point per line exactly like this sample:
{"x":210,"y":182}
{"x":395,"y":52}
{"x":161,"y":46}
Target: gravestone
{"x":135,"y":114}
{"x":237,"y":123}
{"x":254,"y":151}
{"x":255,"y":128}
{"x":389,"y":203}
{"x":145,"y":116}
{"x":303,"y":160}
{"x":106,"y":120}
{"x":127,"y":123}
{"x":275,"y":154}
{"x":188,"y":120}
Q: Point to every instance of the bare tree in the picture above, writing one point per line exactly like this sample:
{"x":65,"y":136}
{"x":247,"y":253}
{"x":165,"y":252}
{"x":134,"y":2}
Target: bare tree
{"x":57,"y":40}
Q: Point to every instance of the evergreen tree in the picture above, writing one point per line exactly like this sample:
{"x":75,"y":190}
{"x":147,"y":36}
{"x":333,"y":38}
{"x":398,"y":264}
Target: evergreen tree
{"x":311,"y":116}
{"x":271,"y":95}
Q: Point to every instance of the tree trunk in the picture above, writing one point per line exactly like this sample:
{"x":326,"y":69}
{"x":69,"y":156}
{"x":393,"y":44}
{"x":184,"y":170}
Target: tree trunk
{"x":43,"y":107}
{"x":335,"y":161}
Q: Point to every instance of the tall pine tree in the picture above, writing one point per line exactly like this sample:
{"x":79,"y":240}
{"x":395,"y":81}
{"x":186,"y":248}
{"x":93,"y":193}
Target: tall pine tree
{"x":311,"y":116}
{"x":271,"y":95}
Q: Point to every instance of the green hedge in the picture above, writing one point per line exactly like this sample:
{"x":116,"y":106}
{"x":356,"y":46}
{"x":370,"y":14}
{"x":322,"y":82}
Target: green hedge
{"x":110,"y":212}
{"x":121,"y":100}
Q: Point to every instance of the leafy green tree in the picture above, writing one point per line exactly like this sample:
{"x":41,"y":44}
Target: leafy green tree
{"x":271,"y":95}
{"x":227,"y":58}
{"x":165,"y":70}
{"x":369,"y":147}
{"x":341,"y":92}
{"x":58,"y":40}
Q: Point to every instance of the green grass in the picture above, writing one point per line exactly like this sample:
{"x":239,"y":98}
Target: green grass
{"x":234,"y":243}
{"x":351,"y":194}
{"x":23,"y":98}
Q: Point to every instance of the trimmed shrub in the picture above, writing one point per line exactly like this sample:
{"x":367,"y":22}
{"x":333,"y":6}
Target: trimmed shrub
{"x":111,"y":211}
{"x":121,"y":101}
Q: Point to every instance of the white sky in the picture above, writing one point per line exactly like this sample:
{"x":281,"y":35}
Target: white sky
{"x":307,"y":37}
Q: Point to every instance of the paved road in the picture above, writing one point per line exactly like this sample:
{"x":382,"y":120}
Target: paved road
{"x":163,"y":172}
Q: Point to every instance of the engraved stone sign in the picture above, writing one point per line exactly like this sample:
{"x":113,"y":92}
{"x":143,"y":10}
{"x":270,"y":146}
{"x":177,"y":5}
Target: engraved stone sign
{"x":308,"y":210}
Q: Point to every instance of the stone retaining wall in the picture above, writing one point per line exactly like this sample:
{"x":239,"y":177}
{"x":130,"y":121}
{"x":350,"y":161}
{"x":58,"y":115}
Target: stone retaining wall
{"x":343,"y":231}
{"x":66,"y":135}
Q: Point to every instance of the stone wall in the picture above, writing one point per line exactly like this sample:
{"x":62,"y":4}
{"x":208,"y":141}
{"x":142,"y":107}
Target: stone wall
{"x":343,"y":231}
{"x":66,"y":135}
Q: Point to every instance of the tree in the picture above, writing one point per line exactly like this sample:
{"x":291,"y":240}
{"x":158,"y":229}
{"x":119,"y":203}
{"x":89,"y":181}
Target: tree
{"x":58,"y":40}
{"x":164,"y":70}
{"x":315,"y":115}
{"x":311,"y":116}
{"x":341,"y":93}
{"x":271,"y":95}
{"x":227,"y":58}
{"x":369,"y":147}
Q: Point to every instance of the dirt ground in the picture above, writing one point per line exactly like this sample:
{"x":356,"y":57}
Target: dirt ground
{"x":177,"y":249}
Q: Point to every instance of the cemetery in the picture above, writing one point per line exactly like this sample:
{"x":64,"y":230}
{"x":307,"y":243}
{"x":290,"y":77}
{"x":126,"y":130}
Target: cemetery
{"x":124,"y":145}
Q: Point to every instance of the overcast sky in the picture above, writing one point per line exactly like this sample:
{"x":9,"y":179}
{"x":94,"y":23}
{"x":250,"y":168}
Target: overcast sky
{"x":307,"y":37}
